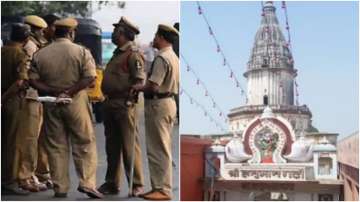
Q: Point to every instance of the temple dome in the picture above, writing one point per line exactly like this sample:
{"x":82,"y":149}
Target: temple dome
{"x":270,"y":47}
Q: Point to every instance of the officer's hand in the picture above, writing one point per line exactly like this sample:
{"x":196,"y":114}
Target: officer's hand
{"x":57,"y":92}
{"x":63,"y":98}
{"x":23,"y":84}
{"x":19,"y":83}
{"x":137,"y":87}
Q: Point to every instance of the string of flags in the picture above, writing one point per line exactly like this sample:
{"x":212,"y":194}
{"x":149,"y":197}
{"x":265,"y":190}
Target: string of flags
{"x":219,"y":50}
{"x":199,"y":82}
{"x":287,"y":26}
{"x":205,"y":111}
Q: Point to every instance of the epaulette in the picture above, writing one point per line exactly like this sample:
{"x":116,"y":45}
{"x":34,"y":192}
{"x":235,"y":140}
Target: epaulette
{"x":82,"y":46}
{"x":26,"y":53}
{"x":134,"y":49}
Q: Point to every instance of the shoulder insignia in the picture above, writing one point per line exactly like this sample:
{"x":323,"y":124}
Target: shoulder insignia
{"x":134,"y":49}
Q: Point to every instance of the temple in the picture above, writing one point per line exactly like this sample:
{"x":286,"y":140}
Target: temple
{"x":275,"y":153}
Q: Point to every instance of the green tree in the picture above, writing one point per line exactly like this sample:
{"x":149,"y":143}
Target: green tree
{"x":61,"y":8}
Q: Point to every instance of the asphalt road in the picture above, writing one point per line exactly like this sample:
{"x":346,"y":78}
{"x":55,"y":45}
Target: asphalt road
{"x":74,"y":195}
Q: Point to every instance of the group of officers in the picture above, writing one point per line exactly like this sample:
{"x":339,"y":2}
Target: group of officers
{"x":41,"y":59}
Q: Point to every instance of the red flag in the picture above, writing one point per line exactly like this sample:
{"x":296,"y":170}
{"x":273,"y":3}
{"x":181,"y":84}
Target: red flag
{"x":210,"y":31}
{"x":199,"y":10}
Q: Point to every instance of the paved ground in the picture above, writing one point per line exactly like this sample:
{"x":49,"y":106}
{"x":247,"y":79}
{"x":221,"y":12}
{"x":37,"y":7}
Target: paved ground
{"x":74,"y":195}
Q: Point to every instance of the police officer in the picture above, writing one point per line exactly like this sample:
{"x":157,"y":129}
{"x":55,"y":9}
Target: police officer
{"x":50,"y":29}
{"x":29,"y":156}
{"x":125,"y":69}
{"x":160,"y":112}
{"x":37,"y":39}
{"x":13,"y":82}
{"x":42,"y":171}
{"x":65,"y":69}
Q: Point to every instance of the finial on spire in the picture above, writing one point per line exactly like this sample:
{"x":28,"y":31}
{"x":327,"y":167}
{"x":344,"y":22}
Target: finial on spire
{"x":269,"y":3}
{"x":269,"y":6}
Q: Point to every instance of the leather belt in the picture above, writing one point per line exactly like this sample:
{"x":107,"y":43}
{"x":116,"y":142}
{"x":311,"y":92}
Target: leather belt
{"x":154,"y":96}
{"x":118,"y":96}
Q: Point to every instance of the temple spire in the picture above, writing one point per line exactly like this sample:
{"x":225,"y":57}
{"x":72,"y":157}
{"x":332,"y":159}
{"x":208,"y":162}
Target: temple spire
{"x":270,"y":72}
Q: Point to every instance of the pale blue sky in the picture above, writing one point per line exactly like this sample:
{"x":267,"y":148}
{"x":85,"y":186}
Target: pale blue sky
{"x":325,"y":49}
{"x":145,"y":14}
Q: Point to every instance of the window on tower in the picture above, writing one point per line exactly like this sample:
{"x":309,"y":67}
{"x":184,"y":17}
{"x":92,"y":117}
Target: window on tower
{"x":265,"y":63}
{"x":266,"y":100}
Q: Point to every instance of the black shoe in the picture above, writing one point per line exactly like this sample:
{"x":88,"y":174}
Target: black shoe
{"x":92,"y":193}
{"x":60,"y":195}
{"x":109,"y":189}
{"x":49,"y":184}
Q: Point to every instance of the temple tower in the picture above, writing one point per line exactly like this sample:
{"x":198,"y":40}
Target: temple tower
{"x":270,"y":72}
{"x":270,"y":78}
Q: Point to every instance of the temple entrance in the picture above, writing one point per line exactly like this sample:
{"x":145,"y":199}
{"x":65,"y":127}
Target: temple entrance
{"x":268,"y":196}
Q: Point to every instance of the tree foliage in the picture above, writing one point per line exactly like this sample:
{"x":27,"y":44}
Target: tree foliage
{"x":61,"y":8}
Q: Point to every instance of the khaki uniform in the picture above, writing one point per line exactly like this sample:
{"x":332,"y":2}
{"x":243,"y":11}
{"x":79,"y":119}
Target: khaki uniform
{"x":160,"y":115}
{"x":120,"y":120}
{"x":37,"y":158}
{"x":62,"y":64}
{"x":13,"y":67}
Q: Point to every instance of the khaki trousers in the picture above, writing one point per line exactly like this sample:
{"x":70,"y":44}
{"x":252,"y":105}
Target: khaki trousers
{"x":29,"y":130}
{"x":159,"y":121}
{"x":121,"y":132}
{"x":69,"y":128}
{"x":10,"y":113}
{"x":43,"y":168}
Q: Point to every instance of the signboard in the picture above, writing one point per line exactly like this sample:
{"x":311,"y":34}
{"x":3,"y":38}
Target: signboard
{"x":273,"y":173}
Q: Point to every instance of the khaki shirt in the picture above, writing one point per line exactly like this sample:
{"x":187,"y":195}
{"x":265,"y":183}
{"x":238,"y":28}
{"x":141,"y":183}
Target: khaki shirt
{"x":33,"y":45}
{"x":165,"y":71}
{"x":62,"y":64}
{"x":13,"y":64}
{"x":124,"y":68}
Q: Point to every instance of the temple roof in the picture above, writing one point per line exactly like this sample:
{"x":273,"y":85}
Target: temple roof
{"x":270,"y":48}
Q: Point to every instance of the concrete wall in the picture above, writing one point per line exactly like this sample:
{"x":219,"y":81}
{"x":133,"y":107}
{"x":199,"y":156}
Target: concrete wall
{"x":348,"y":159}
{"x":192,"y":168}
{"x":348,"y":150}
